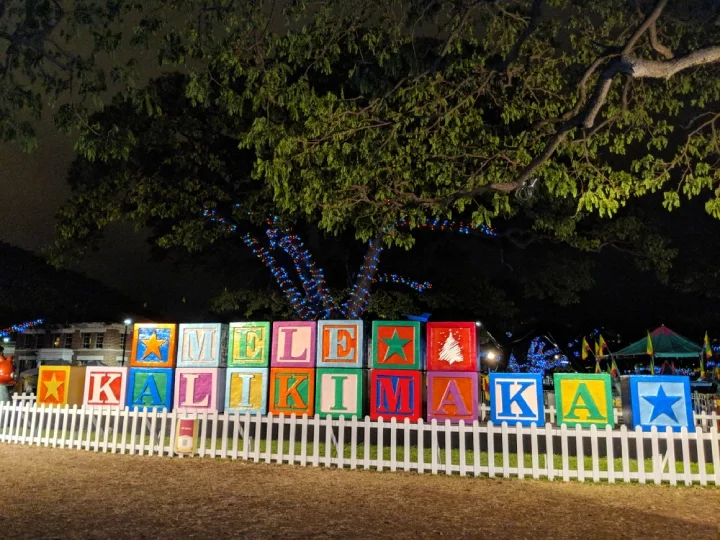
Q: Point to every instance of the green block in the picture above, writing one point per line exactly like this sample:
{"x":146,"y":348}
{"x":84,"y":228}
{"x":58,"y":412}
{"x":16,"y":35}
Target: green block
{"x":584,"y":399}
{"x":339,"y":392}
{"x":395,"y":345}
{"x":249,"y":344}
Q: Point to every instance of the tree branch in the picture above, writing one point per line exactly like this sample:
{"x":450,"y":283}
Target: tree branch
{"x":656,"y":45}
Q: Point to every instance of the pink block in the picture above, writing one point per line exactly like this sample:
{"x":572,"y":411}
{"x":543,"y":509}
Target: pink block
{"x":293,"y":344}
{"x":199,"y":389}
{"x":105,"y":386}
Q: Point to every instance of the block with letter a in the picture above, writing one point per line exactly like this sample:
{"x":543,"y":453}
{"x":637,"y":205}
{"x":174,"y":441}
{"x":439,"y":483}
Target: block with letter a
{"x":105,"y":386}
{"x":452,"y":395}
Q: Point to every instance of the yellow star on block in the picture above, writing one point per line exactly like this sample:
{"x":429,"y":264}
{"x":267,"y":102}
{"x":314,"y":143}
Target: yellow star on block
{"x":152,"y":346}
{"x":51,"y":388}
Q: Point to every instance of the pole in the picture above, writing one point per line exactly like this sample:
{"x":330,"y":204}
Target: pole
{"x":122,"y":361}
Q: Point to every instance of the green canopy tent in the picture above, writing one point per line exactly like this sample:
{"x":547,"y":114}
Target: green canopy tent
{"x":666,"y":344}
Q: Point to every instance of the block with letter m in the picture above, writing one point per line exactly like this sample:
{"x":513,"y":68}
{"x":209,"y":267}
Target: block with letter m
{"x":395,"y":394}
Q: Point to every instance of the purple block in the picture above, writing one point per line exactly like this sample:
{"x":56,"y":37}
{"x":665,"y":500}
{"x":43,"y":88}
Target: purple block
{"x":452,"y":395}
{"x":293,"y":344}
{"x":199,"y":389}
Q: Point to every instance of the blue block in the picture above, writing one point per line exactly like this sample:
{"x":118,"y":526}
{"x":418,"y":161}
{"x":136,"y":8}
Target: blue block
{"x":517,"y":398}
{"x":150,"y":387}
{"x":659,"y":401}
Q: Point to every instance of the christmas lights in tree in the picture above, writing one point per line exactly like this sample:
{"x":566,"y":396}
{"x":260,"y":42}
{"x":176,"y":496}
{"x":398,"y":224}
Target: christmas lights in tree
{"x":312,"y":300}
{"x":541,"y":357}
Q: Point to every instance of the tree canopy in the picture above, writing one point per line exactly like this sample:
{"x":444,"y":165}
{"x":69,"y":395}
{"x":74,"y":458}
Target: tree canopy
{"x":357,"y":115}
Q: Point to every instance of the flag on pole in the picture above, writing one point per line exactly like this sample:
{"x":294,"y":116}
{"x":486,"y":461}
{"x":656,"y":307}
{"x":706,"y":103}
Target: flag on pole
{"x":614,"y":371}
{"x":649,"y":348}
{"x":597,"y":367}
{"x":603,"y":346}
{"x":585,"y":349}
{"x":708,"y":354}
{"x":598,"y":351}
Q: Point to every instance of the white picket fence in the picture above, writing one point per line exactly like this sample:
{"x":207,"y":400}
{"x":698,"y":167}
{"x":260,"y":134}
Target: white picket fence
{"x":619,"y":455}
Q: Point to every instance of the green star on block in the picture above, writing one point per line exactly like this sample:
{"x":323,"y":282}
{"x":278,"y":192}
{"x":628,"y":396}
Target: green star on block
{"x":395,"y":345}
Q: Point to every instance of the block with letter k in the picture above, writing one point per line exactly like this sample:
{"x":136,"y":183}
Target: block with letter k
{"x":292,"y":390}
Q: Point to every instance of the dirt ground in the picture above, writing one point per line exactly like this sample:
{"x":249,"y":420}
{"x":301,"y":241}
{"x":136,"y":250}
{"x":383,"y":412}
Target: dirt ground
{"x":56,"y":493}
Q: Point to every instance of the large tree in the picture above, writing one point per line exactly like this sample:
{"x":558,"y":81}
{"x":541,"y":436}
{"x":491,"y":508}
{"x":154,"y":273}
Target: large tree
{"x":360,"y":114}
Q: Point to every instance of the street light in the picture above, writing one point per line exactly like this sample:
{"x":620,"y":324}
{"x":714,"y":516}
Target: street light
{"x":127,"y":322}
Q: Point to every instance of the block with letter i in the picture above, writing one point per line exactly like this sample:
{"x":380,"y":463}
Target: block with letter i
{"x":60,"y":385}
{"x":105,"y":386}
{"x":246,"y":390}
{"x":292,"y":390}
{"x":249,"y":345}
{"x":452,"y":395}
{"x":395,"y":345}
{"x":395,"y":394}
{"x":199,"y":389}
{"x":339,"y":392}
{"x":584,"y":399}
{"x":516,"y":398}
{"x":202,"y":345}
{"x":660,"y":401}
{"x":153,"y":345}
{"x":150,"y":387}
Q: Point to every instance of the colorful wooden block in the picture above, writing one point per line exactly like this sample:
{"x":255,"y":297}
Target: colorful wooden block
{"x":517,"y":398}
{"x":247,"y":390}
{"x":452,"y":396}
{"x":584,"y":399}
{"x":249,"y":344}
{"x":293,"y":345}
{"x":105,"y":386}
{"x":340,"y":344}
{"x":395,"y":394}
{"x":395,"y":345}
{"x":451,"y":346}
{"x":60,"y":385}
{"x":659,"y":401}
{"x":339,"y":392}
{"x":153,"y":345}
{"x":292,"y":390}
{"x":202,"y":345}
{"x":199,"y":389}
{"x":150,"y":387}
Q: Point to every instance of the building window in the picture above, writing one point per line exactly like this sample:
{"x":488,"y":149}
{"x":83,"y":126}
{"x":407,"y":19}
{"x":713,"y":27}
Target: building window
{"x":68,"y":341}
{"x":56,"y":341}
{"x":123,"y":338}
{"x":85,"y":341}
{"x":99,"y":340}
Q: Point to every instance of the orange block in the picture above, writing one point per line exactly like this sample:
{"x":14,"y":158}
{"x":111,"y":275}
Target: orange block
{"x":60,"y":385}
{"x":154,"y":345}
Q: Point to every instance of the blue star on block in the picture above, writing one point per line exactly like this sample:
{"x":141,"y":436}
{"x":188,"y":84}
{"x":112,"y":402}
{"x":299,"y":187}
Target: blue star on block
{"x":660,"y":401}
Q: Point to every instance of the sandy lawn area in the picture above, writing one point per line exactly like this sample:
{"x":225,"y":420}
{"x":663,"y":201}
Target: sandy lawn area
{"x":59,"y":493}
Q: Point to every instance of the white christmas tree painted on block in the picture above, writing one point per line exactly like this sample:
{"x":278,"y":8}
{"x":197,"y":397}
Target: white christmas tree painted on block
{"x":451,"y":352}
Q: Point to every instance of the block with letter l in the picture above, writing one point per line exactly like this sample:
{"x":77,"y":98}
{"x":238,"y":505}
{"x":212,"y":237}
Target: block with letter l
{"x":199,"y":389}
{"x":293,"y":344}
{"x":517,"y":398}
{"x":395,"y":394}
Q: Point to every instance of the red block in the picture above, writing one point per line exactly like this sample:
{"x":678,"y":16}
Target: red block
{"x":395,"y":393}
{"x":451,"y":346}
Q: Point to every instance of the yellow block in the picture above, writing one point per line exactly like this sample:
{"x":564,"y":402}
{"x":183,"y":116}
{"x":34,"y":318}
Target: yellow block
{"x":583,"y":399}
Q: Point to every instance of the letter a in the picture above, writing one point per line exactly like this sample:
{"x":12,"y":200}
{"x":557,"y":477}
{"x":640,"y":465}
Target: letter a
{"x":452,"y":396}
{"x":588,"y":404}
{"x":150,"y":390}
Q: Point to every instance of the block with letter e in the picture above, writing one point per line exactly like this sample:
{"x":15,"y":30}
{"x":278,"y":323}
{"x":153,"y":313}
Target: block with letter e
{"x":150,"y":387}
{"x":516,"y":398}
{"x":60,"y":385}
{"x":395,"y":394}
{"x":340,"y":344}
{"x":293,"y":344}
{"x":105,"y":386}
{"x":451,"y":346}
{"x":292,"y":390}
{"x":395,"y":345}
{"x":199,"y":389}
{"x":452,"y":395}
{"x":659,"y":401}
{"x":202,"y":345}
{"x":153,"y":345}
{"x":247,"y":390}
{"x":249,"y":344}
{"x":339,"y":392}
{"x":584,"y":399}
